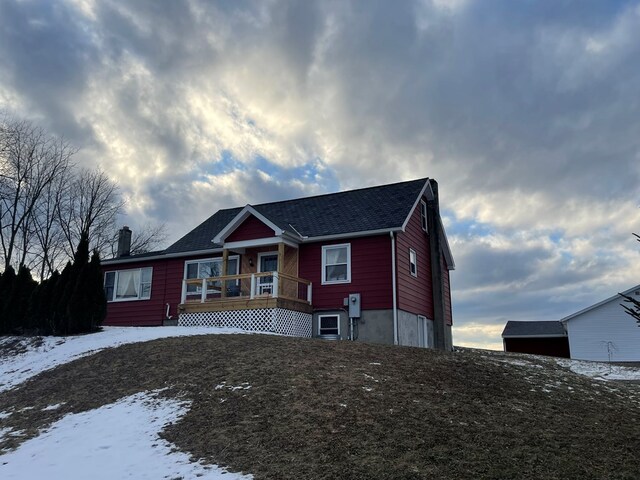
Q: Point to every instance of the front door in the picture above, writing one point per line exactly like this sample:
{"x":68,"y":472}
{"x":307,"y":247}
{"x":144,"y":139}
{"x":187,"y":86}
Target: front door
{"x":268,"y":263}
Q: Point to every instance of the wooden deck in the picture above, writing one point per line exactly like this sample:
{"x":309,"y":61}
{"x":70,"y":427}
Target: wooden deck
{"x":246,"y":291}
{"x":245,"y":303}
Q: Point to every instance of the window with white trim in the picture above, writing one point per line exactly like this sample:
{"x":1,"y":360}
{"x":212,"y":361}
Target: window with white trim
{"x":208,"y":268}
{"x":423,"y":215}
{"x":123,"y":285}
{"x":336,"y":263}
{"x":413,"y":262}
{"x":329,"y":325}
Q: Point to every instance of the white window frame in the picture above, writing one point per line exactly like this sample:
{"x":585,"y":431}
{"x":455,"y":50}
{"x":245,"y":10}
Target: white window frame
{"x":320,"y":317}
{"x":413,"y":253}
{"x":325,"y":265}
{"x":115,"y":285}
{"x":423,"y":216}
{"x":207,"y":260}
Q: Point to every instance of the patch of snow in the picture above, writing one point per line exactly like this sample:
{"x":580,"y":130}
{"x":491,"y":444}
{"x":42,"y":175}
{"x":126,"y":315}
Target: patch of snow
{"x":375,"y":363}
{"x":369,"y":377}
{"x":114,"y":441}
{"x":55,"y":351}
{"x":600,"y":371}
{"x":233,"y":388}
{"x":515,"y":361}
{"x":367,"y":389}
{"x":10,"y":432}
{"x":52,"y":407}
{"x":343,"y":405}
{"x":4,"y":415}
{"x":4,"y":431}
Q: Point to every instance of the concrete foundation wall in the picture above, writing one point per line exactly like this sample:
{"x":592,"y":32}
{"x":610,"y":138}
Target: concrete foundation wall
{"x":409,"y":330}
{"x":375,"y":326}
{"x":448,"y":338}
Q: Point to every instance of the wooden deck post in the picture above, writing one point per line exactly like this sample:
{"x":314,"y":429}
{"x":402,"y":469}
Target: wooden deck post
{"x":280,"y":266}
{"x":223,"y":283}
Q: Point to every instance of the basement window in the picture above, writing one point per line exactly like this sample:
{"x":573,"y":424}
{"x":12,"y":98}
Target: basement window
{"x":124,"y":285}
{"x":413,"y":262}
{"x":329,"y":325}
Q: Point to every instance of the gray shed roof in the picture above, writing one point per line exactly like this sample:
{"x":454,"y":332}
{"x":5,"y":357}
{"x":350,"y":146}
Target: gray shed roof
{"x":533,"y":329}
{"x":365,"y":209}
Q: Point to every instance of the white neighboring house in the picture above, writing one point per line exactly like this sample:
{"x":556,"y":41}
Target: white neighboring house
{"x":604,"y":332}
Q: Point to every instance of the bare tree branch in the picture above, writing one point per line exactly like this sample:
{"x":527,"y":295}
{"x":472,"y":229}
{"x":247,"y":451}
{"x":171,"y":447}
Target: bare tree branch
{"x":146,"y":238}
{"x":30,"y":161}
{"x":90,"y":210}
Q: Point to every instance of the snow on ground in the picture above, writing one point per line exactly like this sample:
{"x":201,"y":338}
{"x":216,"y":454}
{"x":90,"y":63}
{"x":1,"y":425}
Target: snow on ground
{"x":55,"y":351}
{"x":119,"y":440}
{"x":601,"y":371}
{"x":596,"y":370}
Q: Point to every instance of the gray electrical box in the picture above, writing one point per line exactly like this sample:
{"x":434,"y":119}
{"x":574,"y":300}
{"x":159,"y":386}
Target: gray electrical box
{"x":354,"y":305}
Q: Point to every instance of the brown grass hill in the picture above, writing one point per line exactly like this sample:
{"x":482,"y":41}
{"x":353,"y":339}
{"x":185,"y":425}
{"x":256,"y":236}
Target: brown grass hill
{"x":284,"y":408}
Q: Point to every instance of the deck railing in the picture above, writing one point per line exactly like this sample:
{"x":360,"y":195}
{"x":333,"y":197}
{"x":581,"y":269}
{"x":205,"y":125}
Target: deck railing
{"x":246,"y":285}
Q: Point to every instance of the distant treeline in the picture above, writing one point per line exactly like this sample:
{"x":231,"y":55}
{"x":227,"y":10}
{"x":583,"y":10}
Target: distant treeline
{"x":66,"y":303}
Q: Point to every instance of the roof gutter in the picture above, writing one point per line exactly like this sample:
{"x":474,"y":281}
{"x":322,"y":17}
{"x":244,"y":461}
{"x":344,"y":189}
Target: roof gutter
{"x":340,"y":236}
{"x":117,"y":261}
{"x":393,"y":281}
{"x":533,"y":335}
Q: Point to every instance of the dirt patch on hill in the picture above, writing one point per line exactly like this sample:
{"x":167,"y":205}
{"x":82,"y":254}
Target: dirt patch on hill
{"x":11,"y":346}
{"x":306,"y":409}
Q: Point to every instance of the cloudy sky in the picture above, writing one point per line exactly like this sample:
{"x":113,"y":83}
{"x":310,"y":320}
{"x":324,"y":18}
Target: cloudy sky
{"x":527,"y":113}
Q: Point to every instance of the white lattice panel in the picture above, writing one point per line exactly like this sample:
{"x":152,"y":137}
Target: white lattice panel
{"x":276,"y":320}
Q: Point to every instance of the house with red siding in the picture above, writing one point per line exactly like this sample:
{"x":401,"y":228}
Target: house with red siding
{"x":370,"y":264}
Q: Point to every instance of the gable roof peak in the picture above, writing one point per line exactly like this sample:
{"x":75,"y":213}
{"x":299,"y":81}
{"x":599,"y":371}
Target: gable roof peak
{"x":369,"y":209}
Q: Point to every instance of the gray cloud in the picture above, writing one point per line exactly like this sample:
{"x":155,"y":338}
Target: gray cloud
{"x":526,"y":113}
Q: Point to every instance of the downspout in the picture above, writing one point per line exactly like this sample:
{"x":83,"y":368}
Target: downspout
{"x":393,"y":281}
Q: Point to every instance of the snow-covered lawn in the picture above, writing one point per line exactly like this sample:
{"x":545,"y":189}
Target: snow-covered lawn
{"x":55,"y":351}
{"x":601,"y":371}
{"x":596,"y":370}
{"x":119,"y":440}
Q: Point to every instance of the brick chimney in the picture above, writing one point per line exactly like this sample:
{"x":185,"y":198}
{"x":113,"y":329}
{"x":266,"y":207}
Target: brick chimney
{"x":124,"y":242}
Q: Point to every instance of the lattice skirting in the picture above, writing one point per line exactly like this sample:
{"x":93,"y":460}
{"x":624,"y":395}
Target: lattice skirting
{"x":276,"y":320}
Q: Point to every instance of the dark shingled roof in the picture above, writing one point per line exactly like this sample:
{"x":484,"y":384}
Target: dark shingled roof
{"x":533,"y":329}
{"x":137,"y":256}
{"x":373,"y":208}
{"x":200,"y":237}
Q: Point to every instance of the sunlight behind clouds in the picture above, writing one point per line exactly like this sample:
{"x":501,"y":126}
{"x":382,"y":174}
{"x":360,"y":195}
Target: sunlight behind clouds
{"x":525,"y":113}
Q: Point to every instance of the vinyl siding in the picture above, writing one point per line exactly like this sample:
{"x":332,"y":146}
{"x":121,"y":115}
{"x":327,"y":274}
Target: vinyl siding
{"x":250,"y":229}
{"x":414,"y":293}
{"x":370,"y":273}
{"x":603,"y":330}
{"x":166,"y":287}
